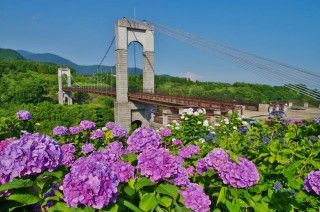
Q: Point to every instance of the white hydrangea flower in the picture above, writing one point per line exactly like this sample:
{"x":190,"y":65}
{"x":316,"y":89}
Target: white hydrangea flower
{"x":186,"y":118}
{"x":244,"y":123}
{"x":37,"y":124}
{"x":239,"y":118}
{"x":196,"y":113}
{"x":177,"y":128}
{"x":234,"y":127}
{"x":204,"y":111}
{"x":202,"y":140}
{"x":182,"y":117}
{"x":199,"y":122}
{"x":174,"y":121}
{"x":205,"y":123}
{"x":226,"y":120}
{"x":190,"y":113}
{"x":217,"y":124}
{"x":173,"y":139}
{"x":177,"y":124}
{"x":104,"y":129}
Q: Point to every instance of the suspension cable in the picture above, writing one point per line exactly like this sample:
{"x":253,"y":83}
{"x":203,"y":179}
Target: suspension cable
{"x":249,"y":61}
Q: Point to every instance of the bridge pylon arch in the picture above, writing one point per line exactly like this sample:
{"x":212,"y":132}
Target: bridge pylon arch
{"x":127,"y":31}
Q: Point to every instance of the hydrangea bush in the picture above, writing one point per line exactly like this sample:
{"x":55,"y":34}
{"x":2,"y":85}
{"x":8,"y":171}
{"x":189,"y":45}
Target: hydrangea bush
{"x":233,"y":164}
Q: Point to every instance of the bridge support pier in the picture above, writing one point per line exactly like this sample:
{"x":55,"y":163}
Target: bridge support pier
{"x":64,"y":97}
{"x":165,"y":116}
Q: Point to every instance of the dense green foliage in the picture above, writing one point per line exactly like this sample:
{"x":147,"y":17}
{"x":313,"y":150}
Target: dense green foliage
{"x":33,"y":86}
{"x":9,"y":54}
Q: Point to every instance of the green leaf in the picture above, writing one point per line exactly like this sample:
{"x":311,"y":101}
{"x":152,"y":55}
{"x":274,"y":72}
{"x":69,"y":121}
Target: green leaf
{"x":63,"y":207}
{"x":233,"y":156}
{"x":167,"y":189}
{"x":128,"y":190}
{"x":232,"y":207}
{"x":222,"y":195}
{"x":131,"y":157}
{"x":130,"y":205}
{"x":143,"y":182}
{"x":112,"y":208}
{"x":148,"y":202}
{"x":16,"y":183}
{"x":165,"y":201}
{"x":26,"y":199}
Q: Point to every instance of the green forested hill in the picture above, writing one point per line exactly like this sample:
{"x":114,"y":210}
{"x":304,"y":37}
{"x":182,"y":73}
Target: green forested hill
{"x":9,"y":54}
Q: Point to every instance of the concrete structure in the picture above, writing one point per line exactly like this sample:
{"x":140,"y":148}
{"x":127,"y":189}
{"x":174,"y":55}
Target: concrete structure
{"x":128,"y":31}
{"x":64,"y":97}
{"x":263,"y":108}
{"x":306,"y":104}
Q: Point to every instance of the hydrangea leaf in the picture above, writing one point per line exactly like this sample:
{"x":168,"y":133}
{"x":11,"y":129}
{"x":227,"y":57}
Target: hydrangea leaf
{"x":222,"y":195}
{"x":148,"y":202}
{"x":143,"y":182}
{"x":16,"y":183}
{"x":129,"y":191}
{"x":26,"y":199}
{"x":167,"y":189}
{"x":130,"y":205}
{"x":165,"y":201}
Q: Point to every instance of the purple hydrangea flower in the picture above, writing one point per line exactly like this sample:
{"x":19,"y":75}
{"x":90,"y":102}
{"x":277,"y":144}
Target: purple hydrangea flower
{"x":32,"y":153}
{"x":313,"y":138}
{"x":60,"y":130}
{"x":201,"y":166}
{"x":195,"y":198}
{"x":165,"y":132}
{"x":265,"y":140}
{"x":181,"y":178}
{"x":68,"y":151}
{"x":158,"y":164}
{"x":24,"y":115}
{"x":177,"y":142}
{"x":87,"y":148}
{"x":110,"y":125}
{"x":239,"y":175}
{"x":75,"y":130}
{"x":312,"y":183}
{"x":91,"y":182}
{"x":190,"y":170}
{"x":123,"y":170}
{"x":277,"y":186}
{"x":87,"y":125}
{"x":4,"y":143}
{"x":119,"y":132}
{"x":214,"y":159}
{"x":189,"y":151}
{"x":115,"y":150}
{"x":96,"y":134}
{"x":317,"y":120}
{"x":143,"y":138}
{"x":295,"y":120}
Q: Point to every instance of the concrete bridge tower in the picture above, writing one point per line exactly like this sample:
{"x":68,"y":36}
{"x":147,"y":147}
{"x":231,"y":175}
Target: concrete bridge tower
{"x":128,"y":31}
{"x":64,"y":97}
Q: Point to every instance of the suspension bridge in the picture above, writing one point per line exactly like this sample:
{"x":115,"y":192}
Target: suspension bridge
{"x":141,"y":105}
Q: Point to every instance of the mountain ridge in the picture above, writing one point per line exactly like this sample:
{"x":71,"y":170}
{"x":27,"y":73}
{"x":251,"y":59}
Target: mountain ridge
{"x":80,"y":69}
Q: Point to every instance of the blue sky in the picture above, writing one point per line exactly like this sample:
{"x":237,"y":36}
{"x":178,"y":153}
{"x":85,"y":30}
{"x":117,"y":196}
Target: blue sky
{"x":79,"y":30}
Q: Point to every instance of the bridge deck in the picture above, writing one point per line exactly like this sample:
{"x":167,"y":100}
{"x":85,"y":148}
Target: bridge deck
{"x":160,"y":99}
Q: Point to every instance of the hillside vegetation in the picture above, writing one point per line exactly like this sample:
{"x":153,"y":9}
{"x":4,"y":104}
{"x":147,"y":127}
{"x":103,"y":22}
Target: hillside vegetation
{"x":9,"y":54}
